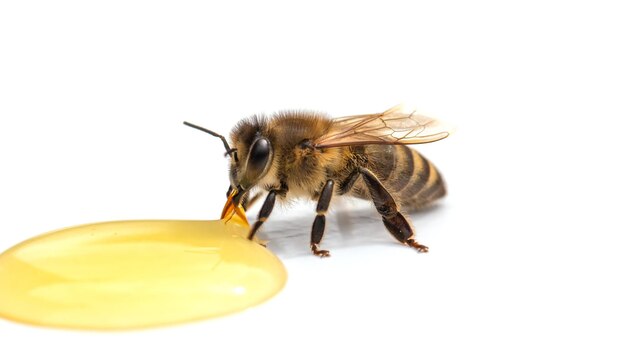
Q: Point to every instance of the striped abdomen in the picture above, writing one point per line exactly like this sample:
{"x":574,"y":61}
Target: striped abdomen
{"x":413,"y":180}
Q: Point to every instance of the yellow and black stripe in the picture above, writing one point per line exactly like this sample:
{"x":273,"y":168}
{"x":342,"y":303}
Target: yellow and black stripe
{"x":412,"y":178}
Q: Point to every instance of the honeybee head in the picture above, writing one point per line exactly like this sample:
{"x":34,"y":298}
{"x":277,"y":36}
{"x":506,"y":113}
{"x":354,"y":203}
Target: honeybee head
{"x":251,"y":157}
{"x":251,"y":138}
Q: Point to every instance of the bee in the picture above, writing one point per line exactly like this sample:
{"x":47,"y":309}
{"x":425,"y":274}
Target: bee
{"x":312,"y":155}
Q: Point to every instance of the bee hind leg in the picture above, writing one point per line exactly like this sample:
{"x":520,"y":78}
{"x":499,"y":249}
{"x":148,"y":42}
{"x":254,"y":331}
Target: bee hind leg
{"x":394,"y":221}
{"x":317,"y":232}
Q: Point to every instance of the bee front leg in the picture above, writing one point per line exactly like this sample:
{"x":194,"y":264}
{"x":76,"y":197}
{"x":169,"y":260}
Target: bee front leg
{"x":248,"y":201}
{"x":317,"y":232}
{"x":386,"y":206}
{"x":264,"y":213}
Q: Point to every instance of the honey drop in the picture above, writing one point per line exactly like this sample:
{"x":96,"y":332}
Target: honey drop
{"x":136,"y":274}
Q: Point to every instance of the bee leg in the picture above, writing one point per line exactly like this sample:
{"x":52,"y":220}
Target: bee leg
{"x":393,"y":220}
{"x":317,"y":232}
{"x":248,"y":202}
{"x":264,"y":213}
{"x":346,"y":185}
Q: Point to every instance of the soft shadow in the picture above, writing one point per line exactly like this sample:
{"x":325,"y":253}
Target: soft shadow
{"x":289,"y":234}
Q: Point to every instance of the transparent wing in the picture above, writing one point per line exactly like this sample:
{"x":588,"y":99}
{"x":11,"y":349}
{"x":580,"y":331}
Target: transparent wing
{"x":394,"y":126}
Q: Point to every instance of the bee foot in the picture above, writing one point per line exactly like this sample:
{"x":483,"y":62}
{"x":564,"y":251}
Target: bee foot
{"x":322,"y":253}
{"x":419,"y":247}
{"x":262,"y":243}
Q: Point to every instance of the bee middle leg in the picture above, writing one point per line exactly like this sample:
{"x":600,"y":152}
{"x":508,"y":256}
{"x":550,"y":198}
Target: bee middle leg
{"x":317,"y":232}
{"x":394,"y":221}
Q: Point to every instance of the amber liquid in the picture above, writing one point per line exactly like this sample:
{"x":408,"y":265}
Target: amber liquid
{"x":136,"y":274}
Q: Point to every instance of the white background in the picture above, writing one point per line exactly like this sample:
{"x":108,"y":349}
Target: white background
{"x":527,"y":250}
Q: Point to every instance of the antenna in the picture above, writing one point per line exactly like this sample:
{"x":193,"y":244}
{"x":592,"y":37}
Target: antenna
{"x":229,"y":150}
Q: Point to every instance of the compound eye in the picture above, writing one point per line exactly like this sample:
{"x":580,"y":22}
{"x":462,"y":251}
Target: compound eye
{"x":258,"y":158}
